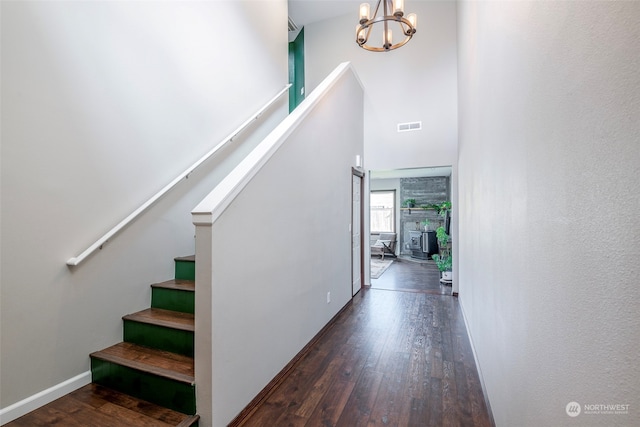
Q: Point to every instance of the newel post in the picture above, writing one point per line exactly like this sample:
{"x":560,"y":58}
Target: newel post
{"x":203,"y":321}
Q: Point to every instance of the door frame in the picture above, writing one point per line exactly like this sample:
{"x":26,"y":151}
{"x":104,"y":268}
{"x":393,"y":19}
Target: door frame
{"x":360,"y":174}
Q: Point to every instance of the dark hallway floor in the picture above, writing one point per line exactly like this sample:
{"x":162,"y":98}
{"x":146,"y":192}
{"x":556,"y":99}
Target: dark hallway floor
{"x":412,"y":276}
{"x":398,"y":355}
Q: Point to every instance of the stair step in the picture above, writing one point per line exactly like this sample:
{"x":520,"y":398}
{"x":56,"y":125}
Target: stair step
{"x":169,"y":365}
{"x":177,"y":284}
{"x":161,"y":329}
{"x":175,"y":294}
{"x":190,"y":421}
{"x":167,"y":318}
{"x":99,"y":406}
{"x":185,"y":267}
{"x":161,"y":377}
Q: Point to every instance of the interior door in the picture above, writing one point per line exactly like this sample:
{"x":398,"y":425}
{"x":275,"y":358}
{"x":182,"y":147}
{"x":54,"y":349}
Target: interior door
{"x":296,"y":71}
{"x":356,"y":235}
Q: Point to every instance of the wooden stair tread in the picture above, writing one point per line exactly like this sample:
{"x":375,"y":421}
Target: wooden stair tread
{"x":190,"y":258}
{"x":166,"y":318}
{"x":158,"y":362}
{"x":189,"y":421}
{"x":179,"y":284}
{"x":99,"y":406}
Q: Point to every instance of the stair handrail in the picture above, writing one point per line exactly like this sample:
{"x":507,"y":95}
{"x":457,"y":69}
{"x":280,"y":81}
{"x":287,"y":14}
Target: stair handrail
{"x":72,"y":262}
{"x":212,"y":206}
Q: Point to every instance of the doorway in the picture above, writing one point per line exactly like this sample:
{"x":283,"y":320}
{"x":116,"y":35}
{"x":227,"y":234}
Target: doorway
{"x":416,"y":218}
{"x":296,"y":71}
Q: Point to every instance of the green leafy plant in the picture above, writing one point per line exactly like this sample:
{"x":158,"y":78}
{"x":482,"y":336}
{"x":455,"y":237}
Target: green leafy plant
{"x":440,"y":208}
{"x":409,"y":203}
{"x":444,"y":262}
{"x":442,"y":237}
{"x":443,"y":208}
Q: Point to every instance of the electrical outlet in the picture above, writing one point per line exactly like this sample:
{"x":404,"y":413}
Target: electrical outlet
{"x":328,"y":297}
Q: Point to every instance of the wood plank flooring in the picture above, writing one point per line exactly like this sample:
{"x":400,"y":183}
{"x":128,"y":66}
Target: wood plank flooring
{"x":412,"y":276}
{"x":158,"y":362}
{"x":98,"y":406}
{"x":398,"y":356}
{"x":392,"y":358}
{"x":167,"y":318}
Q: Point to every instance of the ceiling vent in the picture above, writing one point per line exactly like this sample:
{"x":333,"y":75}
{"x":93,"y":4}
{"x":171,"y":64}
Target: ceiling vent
{"x":292,"y":25}
{"x":408,"y":127}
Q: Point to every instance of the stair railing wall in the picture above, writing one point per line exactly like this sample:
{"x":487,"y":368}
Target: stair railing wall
{"x":72,"y":262}
{"x":273,"y":248}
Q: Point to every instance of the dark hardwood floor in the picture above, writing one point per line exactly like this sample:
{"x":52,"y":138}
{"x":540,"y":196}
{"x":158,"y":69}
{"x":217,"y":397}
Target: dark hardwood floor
{"x":391,"y":358}
{"x":97,"y":406}
{"x":398,"y":355}
{"x":412,"y":276}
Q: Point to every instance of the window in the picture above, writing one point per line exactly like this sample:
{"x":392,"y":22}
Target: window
{"x":382,"y":211}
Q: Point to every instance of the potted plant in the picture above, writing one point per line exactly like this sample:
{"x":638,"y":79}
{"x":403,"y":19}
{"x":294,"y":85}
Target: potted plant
{"x":443,"y":260}
{"x":425,"y":224}
{"x":443,"y":208}
{"x":409,"y":203}
{"x":442,"y":237}
{"x":445,"y":265}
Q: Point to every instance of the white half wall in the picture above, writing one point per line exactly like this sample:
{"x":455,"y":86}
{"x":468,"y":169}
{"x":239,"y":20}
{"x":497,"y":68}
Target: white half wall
{"x":104,"y":103}
{"x":266,"y":265}
{"x":549,"y":195}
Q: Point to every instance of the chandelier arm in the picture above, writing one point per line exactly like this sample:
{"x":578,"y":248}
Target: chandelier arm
{"x":375,"y":12}
{"x":367,"y":34}
{"x":385,"y":29}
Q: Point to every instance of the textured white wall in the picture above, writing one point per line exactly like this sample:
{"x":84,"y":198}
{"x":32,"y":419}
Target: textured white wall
{"x":549,"y":197}
{"x":103,"y":103}
{"x":414,"y":83}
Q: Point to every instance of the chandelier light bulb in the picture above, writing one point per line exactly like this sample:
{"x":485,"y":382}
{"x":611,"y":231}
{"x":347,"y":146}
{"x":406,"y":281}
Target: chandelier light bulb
{"x":413,"y":18}
{"x":365,"y":11}
{"x":398,"y":7}
{"x":388,"y":39}
{"x":360,"y":33}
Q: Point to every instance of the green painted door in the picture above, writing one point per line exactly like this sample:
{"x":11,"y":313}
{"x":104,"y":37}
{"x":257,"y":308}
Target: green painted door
{"x":296,"y":71}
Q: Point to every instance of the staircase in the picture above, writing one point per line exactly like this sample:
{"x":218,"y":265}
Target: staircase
{"x":155,"y":361}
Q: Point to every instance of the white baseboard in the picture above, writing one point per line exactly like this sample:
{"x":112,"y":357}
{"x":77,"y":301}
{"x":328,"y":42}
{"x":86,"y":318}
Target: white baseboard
{"x":31,"y":403}
{"x":475,"y":358}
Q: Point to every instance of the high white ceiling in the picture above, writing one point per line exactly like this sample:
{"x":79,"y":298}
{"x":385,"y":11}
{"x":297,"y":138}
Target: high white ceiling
{"x":304,"y":12}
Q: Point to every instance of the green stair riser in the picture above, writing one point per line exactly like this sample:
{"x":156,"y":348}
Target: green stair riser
{"x":171,"y":394}
{"x":160,"y":337}
{"x":185,"y":270}
{"x":173,"y":299}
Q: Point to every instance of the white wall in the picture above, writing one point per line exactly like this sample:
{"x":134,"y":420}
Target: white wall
{"x":414,"y":83}
{"x":266,"y":264}
{"x":549,"y":198}
{"x":103,"y":103}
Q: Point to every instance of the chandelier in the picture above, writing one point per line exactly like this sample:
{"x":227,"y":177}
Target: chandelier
{"x":392,"y":16}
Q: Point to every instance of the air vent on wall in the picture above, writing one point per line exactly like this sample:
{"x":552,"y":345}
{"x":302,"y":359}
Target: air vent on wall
{"x":407,"y":127}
